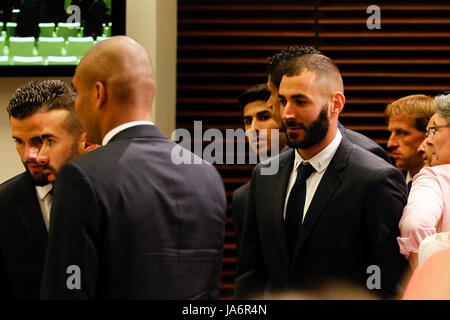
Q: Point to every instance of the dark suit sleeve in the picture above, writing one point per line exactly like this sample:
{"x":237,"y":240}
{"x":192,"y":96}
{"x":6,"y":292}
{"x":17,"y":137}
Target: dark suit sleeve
{"x":74,"y":238}
{"x":251,"y":274}
{"x":384,"y":205}
{"x":4,"y":285}
{"x":240,"y":201}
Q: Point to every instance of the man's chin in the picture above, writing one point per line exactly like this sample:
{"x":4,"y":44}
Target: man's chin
{"x":40,"y":179}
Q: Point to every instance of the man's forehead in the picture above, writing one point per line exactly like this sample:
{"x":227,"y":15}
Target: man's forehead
{"x":301,"y":82}
{"x":401,"y":121}
{"x":256,"y":107}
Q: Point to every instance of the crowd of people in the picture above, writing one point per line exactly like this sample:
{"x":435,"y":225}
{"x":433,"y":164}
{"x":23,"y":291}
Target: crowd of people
{"x":101,"y":211}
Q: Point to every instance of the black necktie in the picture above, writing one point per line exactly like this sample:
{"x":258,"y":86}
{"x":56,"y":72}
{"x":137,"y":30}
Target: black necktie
{"x":409,"y":186}
{"x":296,"y":204}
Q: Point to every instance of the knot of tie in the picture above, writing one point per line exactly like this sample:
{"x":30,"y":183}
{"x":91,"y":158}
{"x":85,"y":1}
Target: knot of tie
{"x":304,"y":171}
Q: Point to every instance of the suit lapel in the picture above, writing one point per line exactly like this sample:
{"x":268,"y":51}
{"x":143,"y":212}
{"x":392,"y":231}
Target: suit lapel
{"x":279,"y":188}
{"x":30,"y":214}
{"x":330,"y":182}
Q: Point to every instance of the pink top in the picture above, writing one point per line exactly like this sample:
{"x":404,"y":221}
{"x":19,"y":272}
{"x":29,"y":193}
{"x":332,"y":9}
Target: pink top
{"x":428,"y":208}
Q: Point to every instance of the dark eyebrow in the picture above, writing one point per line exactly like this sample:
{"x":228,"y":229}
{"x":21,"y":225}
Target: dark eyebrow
{"x":299,"y":96}
{"x":261,"y":113}
{"x":47,"y":135}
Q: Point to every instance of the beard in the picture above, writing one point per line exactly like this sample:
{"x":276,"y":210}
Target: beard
{"x":314,"y":133}
{"x":39,"y":178}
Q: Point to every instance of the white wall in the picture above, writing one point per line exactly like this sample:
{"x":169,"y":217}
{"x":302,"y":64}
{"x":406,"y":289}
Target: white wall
{"x":153,"y":23}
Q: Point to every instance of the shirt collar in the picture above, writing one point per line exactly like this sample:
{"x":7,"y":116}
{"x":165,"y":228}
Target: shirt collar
{"x":122,"y":127}
{"x":43,"y":191}
{"x":321,"y":160}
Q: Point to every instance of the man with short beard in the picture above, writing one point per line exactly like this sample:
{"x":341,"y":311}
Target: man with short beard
{"x":47,"y":134}
{"x":332,"y":210}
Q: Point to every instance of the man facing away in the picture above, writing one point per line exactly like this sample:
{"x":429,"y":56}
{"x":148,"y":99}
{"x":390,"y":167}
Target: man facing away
{"x":38,"y":111}
{"x":332,"y":210}
{"x":127,"y":222}
{"x":407,"y":121}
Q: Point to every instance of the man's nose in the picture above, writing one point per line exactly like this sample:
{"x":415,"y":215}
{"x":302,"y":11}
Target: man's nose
{"x":31,"y":153}
{"x":392,"y":142}
{"x":42,"y":157}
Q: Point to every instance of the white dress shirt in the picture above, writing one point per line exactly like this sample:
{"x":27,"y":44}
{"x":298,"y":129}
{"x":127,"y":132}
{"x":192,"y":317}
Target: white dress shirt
{"x":45,"y":202}
{"x":320,"y":163}
{"x":122,"y":127}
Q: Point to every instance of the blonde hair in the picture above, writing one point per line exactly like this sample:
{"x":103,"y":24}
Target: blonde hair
{"x":417,"y":106}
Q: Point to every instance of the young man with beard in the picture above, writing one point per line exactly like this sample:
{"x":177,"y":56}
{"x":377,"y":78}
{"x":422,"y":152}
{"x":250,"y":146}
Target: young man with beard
{"x":41,"y":113}
{"x":332,"y":210}
{"x":275,"y":72}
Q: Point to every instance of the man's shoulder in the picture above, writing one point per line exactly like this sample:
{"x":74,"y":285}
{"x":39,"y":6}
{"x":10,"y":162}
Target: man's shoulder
{"x":242,"y":191}
{"x":366,"y":143}
{"x":9,"y":190}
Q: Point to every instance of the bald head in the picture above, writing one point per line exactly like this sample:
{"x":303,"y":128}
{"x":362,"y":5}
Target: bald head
{"x":115,"y":84}
{"x":124,"y":67}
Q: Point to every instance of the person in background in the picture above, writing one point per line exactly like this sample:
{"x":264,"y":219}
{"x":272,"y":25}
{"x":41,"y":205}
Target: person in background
{"x":428,"y":208}
{"x":258,"y":121}
{"x":407,"y":121}
{"x":39,"y":112}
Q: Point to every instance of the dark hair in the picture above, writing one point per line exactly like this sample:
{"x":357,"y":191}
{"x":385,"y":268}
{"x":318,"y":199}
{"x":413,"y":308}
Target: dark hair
{"x":35,"y":96}
{"x":44,"y":96}
{"x":325,"y":70}
{"x":278,"y":60}
{"x":255,"y":93}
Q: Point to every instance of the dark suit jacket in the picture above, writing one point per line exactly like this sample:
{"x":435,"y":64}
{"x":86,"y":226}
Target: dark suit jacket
{"x":364,"y":142}
{"x":240,"y":195}
{"x":351,"y":224}
{"x":23,"y":239}
{"x":137,"y":225}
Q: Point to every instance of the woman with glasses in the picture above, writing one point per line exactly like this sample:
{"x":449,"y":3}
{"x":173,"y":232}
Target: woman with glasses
{"x":428,"y":208}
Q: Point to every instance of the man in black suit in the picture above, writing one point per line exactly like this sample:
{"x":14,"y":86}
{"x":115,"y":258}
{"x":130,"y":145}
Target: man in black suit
{"x":258,"y":121}
{"x":39,"y":110}
{"x":275,"y":72}
{"x":128,"y":222}
{"x":332,"y":209}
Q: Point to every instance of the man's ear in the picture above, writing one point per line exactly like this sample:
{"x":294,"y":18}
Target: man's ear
{"x":87,"y":146}
{"x":100,"y":94}
{"x":337,"y":102}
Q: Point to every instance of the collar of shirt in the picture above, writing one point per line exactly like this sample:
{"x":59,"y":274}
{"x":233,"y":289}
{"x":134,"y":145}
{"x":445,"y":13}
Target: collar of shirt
{"x":43,"y":191}
{"x":408,"y":177}
{"x":122,"y":127}
{"x":321,"y":160}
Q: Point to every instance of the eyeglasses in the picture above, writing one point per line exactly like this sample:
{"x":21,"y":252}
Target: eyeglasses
{"x":432,"y":130}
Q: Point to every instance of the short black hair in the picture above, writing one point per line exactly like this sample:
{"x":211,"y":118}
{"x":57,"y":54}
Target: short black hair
{"x":254,"y":93}
{"x":46,"y":95}
{"x":35,"y":96}
{"x":277,"y":62}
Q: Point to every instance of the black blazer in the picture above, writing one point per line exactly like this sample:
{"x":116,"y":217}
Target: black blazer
{"x":23,"y":239}
{"x":364,"y":142}
{"x":240,"y":195}
{"x":351,"y":224}
{"x":137,"y":225}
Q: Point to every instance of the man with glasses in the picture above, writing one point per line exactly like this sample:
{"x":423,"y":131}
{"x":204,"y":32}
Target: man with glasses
{"x":428,"y":208}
